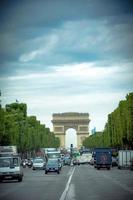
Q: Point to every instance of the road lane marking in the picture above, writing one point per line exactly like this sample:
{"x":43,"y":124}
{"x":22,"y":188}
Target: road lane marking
{"x":64,"y":194}
{"x":71,"y":193}
{"x":70,"y":171}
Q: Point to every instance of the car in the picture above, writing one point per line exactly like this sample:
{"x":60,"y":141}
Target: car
{"x":52,"y":166}
{"x":92,"y":161}
{"x":67,"y":160}
{"x":38,"y":163}
{"x":58,"y":160}
{"x":76,"y":161}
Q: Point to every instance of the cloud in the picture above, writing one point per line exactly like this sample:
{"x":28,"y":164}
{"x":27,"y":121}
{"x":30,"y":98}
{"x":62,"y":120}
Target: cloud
{"x":20,"y":14}
{"x":46,"y":46}
{"x":86,"y":70}
{"x":83,"y":87}
{"x":77,"y":71}
{"x":71,"y":79}
{"x":84,"y":34}
{"x":69,"y":56}
{"x":82,"y":39}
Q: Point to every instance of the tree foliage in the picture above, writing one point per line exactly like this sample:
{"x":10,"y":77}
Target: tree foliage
{"x":118,"y":131}
{"x":16,"y":128}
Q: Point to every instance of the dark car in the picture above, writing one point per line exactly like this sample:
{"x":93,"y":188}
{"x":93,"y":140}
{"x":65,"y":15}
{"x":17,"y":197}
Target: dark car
{"x":76,"y":161}
{"x":67,"y":160}
{"x":52,"y":166}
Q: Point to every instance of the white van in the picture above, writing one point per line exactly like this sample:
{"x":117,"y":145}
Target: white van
{"x":10,"y":168}
{"x":124,"y":158}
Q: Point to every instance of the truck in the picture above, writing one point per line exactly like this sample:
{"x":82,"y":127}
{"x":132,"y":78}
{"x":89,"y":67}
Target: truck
{"x":10,"y":168}
{"x":51,"y":152}
{"x":10,"y":164}
{"x":102,"y":158}
{"x":55,"y":154}
{"x":125,"y":158}
{"x":8,"y":150}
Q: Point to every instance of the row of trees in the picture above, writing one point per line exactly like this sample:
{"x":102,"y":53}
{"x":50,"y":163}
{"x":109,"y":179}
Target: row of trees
{"x":118,"y":131}
{"x":16,"y":128}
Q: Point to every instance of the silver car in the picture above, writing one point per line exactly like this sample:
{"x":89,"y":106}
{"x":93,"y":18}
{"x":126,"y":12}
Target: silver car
{"x":38,"y":163}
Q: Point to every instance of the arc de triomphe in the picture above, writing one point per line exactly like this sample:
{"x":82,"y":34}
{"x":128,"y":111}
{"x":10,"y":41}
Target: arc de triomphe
{"x":78,"y":121}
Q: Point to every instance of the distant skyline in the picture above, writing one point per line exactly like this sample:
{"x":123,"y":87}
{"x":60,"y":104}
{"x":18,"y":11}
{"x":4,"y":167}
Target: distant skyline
{"x":66,"y":56}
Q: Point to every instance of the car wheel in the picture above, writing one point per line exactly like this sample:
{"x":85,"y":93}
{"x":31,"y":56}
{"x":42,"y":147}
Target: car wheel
{"x":98,"y":168}
{"x":20,"y":179}
{"x":1,"y":179}
{"x":46,"y":172}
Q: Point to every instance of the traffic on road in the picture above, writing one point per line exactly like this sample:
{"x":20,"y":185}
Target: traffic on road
{"x":65,"y":177}
{"x":73,"y":183}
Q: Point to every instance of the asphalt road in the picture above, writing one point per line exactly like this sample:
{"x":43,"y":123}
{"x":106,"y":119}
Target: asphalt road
{"x":82,"y":182}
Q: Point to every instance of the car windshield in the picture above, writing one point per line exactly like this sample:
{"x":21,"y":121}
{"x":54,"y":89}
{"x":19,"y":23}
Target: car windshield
{"x":53,"y":155}
{"x":52,"y":162}
{"x":38,"y":161}
{"x":7,"y":162}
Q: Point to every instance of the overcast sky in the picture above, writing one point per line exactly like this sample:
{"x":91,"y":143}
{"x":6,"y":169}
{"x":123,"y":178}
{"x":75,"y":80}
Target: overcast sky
{"x":66,"y":56}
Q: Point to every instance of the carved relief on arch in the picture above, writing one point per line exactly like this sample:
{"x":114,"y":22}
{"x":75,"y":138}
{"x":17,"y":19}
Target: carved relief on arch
{"x":58,"y":129}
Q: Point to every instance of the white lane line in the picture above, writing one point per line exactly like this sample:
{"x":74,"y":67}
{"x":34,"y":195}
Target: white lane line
{"x":71,"y":193}
{"x":64,"y":194}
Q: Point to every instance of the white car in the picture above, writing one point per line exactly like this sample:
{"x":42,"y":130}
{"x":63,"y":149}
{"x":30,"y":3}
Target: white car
{"x":85,"y":158}
{"x":38,"y":163}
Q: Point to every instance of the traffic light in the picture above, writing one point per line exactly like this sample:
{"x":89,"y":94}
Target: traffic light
{"x":71,"y":146}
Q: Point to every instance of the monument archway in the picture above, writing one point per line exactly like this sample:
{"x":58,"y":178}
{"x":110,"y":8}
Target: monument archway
{"x":70,"y":138}
{"x":78,"y":121}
